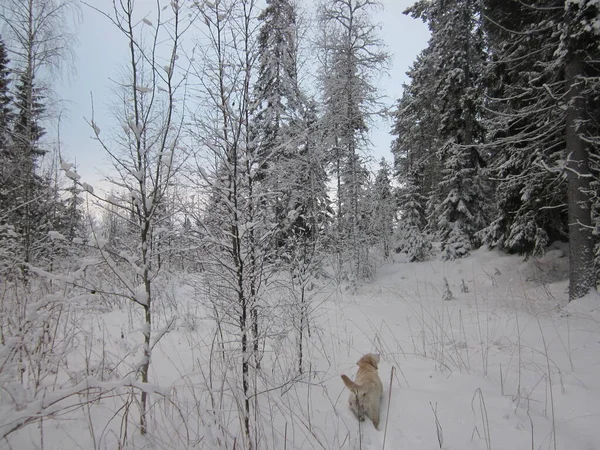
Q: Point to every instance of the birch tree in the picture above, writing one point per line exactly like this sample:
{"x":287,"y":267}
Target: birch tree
{"x":145,"y":155}
{"x":237,"y":231}
{"x":352,"y":58}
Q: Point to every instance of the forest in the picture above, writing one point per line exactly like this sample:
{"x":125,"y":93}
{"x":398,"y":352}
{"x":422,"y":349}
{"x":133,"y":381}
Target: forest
{"x":243,"y":197}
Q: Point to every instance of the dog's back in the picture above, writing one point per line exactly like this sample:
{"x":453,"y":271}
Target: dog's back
{"x":367,"y":389}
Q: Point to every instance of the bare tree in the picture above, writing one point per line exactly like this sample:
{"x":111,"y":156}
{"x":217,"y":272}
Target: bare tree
{"x":145,"y":153}
{"x":353,"y":57}
{"x":237,"y":232}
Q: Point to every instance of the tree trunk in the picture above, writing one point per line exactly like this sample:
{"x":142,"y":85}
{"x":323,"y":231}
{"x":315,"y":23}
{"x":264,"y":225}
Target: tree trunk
{"x":581,"y":257}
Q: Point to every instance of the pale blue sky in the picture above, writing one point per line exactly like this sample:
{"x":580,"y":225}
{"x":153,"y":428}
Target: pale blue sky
{"x":101,"y":55}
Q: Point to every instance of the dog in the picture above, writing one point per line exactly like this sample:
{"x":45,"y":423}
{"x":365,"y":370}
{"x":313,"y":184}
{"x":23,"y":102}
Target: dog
{"x":365,"y":399}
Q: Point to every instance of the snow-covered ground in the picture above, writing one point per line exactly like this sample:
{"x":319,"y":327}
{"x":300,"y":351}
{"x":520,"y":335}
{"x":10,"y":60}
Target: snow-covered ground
{"x":505,"y":363}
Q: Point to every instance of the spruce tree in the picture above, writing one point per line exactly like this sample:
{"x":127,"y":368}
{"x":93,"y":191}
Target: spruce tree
{"x":276,"y":113}
{"x":413,"y":238}
{"x":5,"y":100}
{"x":581,"y":56}
{"x":526,"y":125}
{"x":29,"y":187}
{"x":543,"y":84}
{"x":415,"y":129}
{"x":384,"y":208}
{"x":457,"y":48}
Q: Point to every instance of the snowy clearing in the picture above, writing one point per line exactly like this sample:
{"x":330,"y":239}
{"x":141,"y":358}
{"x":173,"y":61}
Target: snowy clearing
{"x":506,"y":364}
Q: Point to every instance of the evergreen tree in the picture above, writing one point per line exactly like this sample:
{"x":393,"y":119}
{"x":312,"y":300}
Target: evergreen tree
{"x":30,"y":189}
{"x":40,"y":42}
{"x":415,"y":129}
{"x":276,"y":92}
{"x":7,"y":234}
{"x":543,"y":84}
{"x":414,"y":240}
{"x":278,"y":104}
{"x":5,"y":100}
{"x":581,"y":56}
{"x":526,"y":125}
{"x":8,"y":237}
{"x":307,"y":183}
{"x":384,"y":208}
{"x":457,"y":47}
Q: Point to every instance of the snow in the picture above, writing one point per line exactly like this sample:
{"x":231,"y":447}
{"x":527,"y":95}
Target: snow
{"x":143,"y":89}
{"x":56,"y":236}
{"x":72,"y":175}
{"x":66,"y":166}
{"x":507,"y":363}
{"x":87,"y":187}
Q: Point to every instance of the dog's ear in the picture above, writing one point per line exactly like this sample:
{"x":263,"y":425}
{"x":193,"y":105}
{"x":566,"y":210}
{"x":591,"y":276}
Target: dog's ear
{"x":373,"y":359}
{"x":377,"y":357}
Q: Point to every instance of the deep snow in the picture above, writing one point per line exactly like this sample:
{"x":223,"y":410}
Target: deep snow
{"x":508,"y":364}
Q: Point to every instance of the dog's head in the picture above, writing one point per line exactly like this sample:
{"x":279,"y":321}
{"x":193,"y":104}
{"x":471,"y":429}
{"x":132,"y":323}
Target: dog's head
{"x":370,"y":358}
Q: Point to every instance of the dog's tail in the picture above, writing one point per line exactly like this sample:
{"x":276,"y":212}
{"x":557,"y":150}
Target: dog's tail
{"x":349,"y":383}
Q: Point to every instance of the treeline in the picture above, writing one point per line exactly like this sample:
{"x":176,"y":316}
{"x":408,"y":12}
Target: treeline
{"x":497,"y":131}
{"x":33,"y":200}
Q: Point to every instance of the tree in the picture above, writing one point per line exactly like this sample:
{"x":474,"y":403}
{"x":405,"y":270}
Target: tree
{"x":542,"y":131}
{"x":236,"y":226}
{"x":145,"y":157}
{"x":416,"y":138}
{"x":7,"y":234}
{"x":5,"y":100}
{"x":525,"y":126}
{"x":29,"y":200}
{"x":457,"y":47}
{"x":580,"y":51}
{"x":278,"y":110}
{"x":40,"y":43}
{"x":384,"y":209}
{"x":414,"y":240}
{"x":352,"y":56}
{"x":276,"y":94}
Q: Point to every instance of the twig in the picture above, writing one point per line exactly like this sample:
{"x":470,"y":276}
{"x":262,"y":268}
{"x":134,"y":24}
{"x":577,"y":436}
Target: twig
{"x":387,"y":414}
{"x":438,"y":426}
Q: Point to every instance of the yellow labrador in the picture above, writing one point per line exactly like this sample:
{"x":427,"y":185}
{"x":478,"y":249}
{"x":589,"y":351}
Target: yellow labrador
{"x":366,"y":388}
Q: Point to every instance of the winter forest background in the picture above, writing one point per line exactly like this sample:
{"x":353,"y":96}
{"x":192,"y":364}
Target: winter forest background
{"x":243,"y":180}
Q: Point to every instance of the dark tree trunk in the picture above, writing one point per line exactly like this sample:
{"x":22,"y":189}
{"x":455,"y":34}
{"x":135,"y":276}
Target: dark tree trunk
{"x":581,"y":257}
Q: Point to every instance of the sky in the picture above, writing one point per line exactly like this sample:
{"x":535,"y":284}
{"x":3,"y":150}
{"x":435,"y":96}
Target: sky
{"x":102,"y":52}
